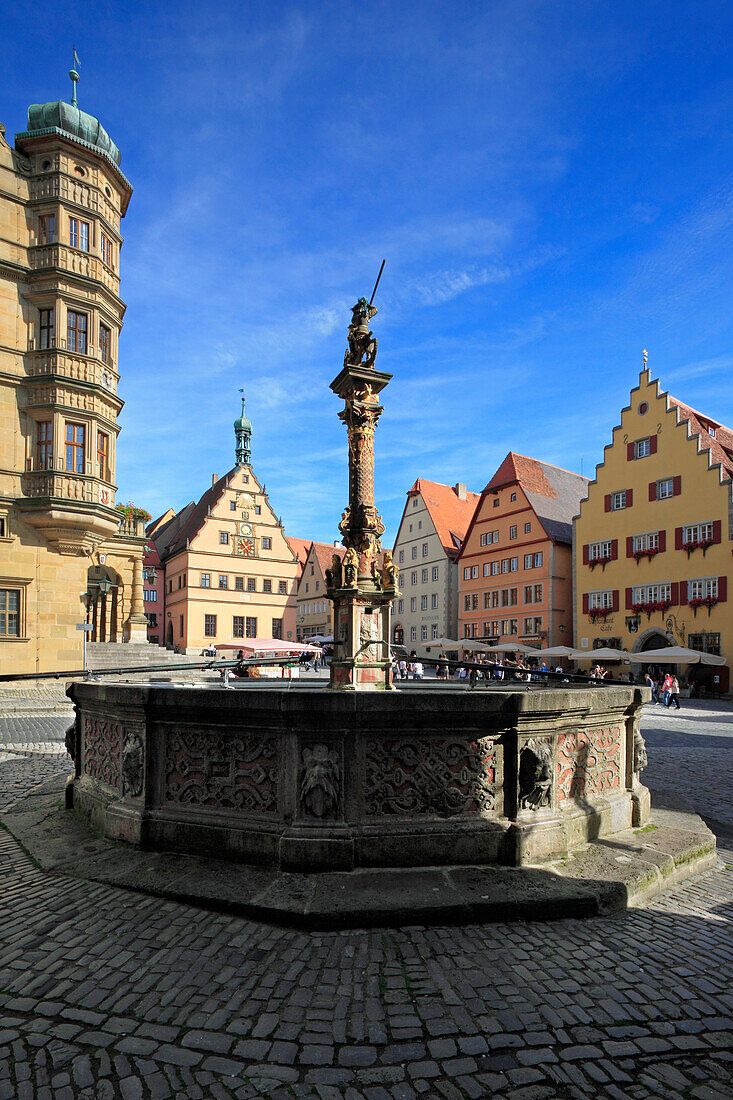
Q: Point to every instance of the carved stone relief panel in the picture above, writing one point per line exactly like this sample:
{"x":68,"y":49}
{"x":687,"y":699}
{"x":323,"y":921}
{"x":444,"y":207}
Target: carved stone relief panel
{"x":133,"y":764}
{"x":535,"y":774}
{"x":221,"y":771}
{"x":102,"y":744}
{"x":320,"y":781}
{"x":436,"y":776}
{"x":588,"y":762}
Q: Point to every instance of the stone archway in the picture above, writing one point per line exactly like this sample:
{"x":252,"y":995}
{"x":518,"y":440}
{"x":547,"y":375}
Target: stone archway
{"x":104,"y":608}
{"x":651,"y":639}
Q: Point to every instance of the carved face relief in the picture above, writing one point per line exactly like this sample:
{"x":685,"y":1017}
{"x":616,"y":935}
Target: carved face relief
{"x":320,"y":780}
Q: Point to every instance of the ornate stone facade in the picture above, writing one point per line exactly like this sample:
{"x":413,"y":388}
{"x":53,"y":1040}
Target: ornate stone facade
{"x":216,"y":770}
{"x":589,"y":762}
{"x":445,"y":777}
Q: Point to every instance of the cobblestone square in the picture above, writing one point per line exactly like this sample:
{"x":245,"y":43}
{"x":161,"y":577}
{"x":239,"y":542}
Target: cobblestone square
{"x":106,"y":993}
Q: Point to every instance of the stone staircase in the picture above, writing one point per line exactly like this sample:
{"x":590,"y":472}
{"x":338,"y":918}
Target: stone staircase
{"x":107,"y":655}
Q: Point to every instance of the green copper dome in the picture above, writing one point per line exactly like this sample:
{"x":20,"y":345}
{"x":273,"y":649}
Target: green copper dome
{"x":68,"y":119}
{"x":242,"y":424}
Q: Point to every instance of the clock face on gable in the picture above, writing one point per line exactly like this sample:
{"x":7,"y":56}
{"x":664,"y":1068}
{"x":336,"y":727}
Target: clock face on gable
{"x":244,"y":529}
{"x":247,"y":547}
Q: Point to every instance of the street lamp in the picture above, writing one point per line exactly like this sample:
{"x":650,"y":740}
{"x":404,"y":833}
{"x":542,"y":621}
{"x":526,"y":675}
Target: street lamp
{"x":104,"y":586}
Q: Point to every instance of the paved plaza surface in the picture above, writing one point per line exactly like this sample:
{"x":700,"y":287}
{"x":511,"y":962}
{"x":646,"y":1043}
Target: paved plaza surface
{"x":110,"y":994}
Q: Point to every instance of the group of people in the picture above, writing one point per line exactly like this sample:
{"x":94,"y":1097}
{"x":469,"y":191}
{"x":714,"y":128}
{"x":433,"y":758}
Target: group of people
{"x":665,"y":689}
{"x":408,"y":670}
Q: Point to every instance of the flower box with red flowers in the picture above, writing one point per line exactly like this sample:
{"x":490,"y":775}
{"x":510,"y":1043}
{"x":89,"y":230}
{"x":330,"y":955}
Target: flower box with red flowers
{"x":130,"y":511}
{"x":703,"y":601}
{"x":598,"y":613}
{"x":600,"y":560}
{"x":651,"y":606}
{"x":649,"y":552}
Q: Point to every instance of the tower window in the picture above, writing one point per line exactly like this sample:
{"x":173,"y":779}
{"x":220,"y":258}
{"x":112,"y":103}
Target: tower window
{"x":44,"y":445}
{"x":103,"y":455}
{"x":76,"y":332}
{"x":107,"y":250}
{"x":104,"y":343}
{"x":74,"y":458}
{"x":47,"y":330}
{"x":79,"y":234}
{"x":46,"y":229}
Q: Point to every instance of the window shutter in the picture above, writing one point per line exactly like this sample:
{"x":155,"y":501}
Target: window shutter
{"x":614,"y":605}
{"x":585,"y":603}
{"x":716,"y":530}
{"x":652,"y":490}
{"x":675,"y":593}
{"x":678,"y":538}
{"x":607,"y":502}
{"x":676,"y":486}
{"x":614,"y":551}
{"x":629,"y":451}
{"x":629,"y":546}
{"x":683,"y":592}
{"x":629,"y":497}
{"x":722,"y":589}
{"x":586,"y":553}
{"x":652,"y":445}
{"x":629,"y":601}
{"x":662,"y":541}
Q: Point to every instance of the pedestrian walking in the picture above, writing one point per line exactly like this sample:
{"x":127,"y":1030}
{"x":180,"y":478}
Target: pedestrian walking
{"x":674,"y":693}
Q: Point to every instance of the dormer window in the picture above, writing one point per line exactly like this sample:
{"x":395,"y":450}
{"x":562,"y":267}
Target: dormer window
{"x":711,"y":431}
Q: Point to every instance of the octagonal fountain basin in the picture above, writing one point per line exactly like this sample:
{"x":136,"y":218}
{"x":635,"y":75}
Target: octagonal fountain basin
{"x":304,"y":779}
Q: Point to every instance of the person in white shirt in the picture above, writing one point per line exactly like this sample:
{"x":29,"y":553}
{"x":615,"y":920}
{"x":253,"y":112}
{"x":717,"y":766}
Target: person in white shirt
{"x":417,"y":670}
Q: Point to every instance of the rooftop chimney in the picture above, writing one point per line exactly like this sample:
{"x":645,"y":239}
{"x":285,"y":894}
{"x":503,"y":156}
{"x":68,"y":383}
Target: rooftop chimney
{"x":460,"y":490}
{"x":214,"y":479}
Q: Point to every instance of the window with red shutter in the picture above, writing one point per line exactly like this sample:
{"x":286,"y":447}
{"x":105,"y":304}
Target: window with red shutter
{"x":652,"y":490}
{"x":607,"y":502}
{"x":653,"y":445}
{"x":678,"y":538}
{"x":614,"y":550}
{"x":586,"y":555}
{"x":676,"y":486}
{"x":585,"y":603}
{"x":629,"y":600}
{"x":675,"y":593}
{"x":614,"y":603}
{"x":661,"y":541}
{"x":717,"y":532}
{"x":722,"y":589}
{"x":629,"y":497}
{"x":629,"y":451}
{"x":682,"y":592}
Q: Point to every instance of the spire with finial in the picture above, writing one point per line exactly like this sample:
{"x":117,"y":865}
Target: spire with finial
{"x":74,"y":75}
{"x":644,"y":357}
{"x":242,"y":434}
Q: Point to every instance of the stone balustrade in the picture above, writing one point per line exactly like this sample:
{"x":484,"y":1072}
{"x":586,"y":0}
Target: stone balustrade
{"x":309,"y":779}
{"x":79,"y":368}
{"x":58,"y":255}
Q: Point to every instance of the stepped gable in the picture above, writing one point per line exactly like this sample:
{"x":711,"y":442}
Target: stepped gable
{"x":554,"y":494}
{"x":720,"y":446}
{"x":194,"y":521}
{"x":451,"y":516}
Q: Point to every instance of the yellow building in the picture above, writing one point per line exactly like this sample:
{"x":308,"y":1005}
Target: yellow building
{"x":652,"y":543}
{"x":230,"y":571}
{"x":315,"y":610}
{"x":64,"y":554}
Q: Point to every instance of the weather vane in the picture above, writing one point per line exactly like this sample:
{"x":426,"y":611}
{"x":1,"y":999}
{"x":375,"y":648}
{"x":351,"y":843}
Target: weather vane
{"x":644,"y":356}
{"x":74,"y":74}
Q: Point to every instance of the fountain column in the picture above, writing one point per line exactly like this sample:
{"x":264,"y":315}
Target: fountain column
{"x":362,"y":588}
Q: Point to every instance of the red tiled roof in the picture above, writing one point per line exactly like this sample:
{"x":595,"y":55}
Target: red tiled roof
{"x":195,"y":520}
{"x":720,"y":446}
{"x":450,"y":515}
{"x":554,"y":494}
{"x":324,"y":551}
{"x":299,"y":547}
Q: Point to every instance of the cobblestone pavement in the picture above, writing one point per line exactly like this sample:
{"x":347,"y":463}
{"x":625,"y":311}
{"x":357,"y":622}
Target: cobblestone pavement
{"x":108,"y":994}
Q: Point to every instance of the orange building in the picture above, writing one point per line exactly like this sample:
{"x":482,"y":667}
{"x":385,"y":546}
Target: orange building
{"x":515,"y":566}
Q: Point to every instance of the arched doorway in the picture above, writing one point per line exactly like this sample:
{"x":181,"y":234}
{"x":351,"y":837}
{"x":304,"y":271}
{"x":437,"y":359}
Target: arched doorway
{"x":104,"y":601}
{"x":651,"y":639}
{"x":398,"y":635}
{"x":169,"y":635}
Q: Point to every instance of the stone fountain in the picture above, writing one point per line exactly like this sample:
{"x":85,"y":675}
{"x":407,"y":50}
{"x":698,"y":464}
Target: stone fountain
{"x":359,"y":774}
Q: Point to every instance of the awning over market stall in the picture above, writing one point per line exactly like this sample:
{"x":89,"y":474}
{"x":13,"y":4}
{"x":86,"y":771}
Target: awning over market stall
{"x":676,"y":655}
{"x":271,"y":647}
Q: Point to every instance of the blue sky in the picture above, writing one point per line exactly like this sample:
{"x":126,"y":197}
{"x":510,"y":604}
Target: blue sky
{"x":550,"y":183}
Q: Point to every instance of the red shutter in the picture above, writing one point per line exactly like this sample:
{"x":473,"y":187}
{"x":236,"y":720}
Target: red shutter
{"x":629,"y":497}
{"x":653,"y":445}
{"x":629,"y":601}
{"x":629,"y":546}
{"x":682,"y":592}
{"x":722,"y":589}
{"x":662,"y":541}
{"x":585,"y":603}
{"x":716,"y":530}
{"x":676,"y":486}
{"x":586,"y":554}
{"x":607,"y":502}
{"x":614,"y":605}
{"x":629,"y":451}
{"x":678,"y":538}
{"x":675,"y":593}
{"x":614,"y":549}
{"x":652,"y":490}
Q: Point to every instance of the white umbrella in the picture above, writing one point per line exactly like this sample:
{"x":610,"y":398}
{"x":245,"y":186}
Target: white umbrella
{"x":605,"y":653}
{"x":557,"y":651}
{"x":676,"y":655}
{"x":512,"y":647}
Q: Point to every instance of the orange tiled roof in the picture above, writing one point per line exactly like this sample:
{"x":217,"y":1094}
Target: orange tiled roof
{"x":720,"y":445}
{"x":555,"y":494}
{"x":299,"y":547}
{"x":450,"y":515}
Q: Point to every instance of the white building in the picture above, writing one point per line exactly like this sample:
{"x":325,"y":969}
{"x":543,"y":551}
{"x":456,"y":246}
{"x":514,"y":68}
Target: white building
{"x":433,"y":525}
